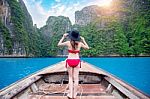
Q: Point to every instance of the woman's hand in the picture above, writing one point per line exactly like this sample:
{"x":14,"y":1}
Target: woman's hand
{"x":65,"y":35}
{"x":61,"y":43}
{"x":82,"y":38}
{"x":84,"y":44}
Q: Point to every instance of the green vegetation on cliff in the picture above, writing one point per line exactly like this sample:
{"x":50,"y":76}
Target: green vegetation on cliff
{"x":129,"y":35}
{"x":7,"y":39}
{"x":52,"y":32}
{"x":17,"y":18}
{"x":28,"y":36}
{"x":125,"y":32}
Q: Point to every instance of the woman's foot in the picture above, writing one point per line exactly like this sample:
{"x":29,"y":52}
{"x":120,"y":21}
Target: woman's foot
{"x":75,"y":95}
{"x":69,"y":97}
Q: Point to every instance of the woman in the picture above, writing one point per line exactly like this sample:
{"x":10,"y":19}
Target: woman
{"x":73,"y":63}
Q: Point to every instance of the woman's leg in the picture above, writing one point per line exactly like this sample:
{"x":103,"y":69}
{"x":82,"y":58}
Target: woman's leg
{"x":70,"y":73}
{"x":76,"y":80}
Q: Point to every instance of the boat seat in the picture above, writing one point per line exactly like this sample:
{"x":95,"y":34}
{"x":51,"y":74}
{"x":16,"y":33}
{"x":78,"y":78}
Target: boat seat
{"x":52,"y":88}
{"x":60,"y":88}
{"x":57,"y":91}
{"x":65,"y":97}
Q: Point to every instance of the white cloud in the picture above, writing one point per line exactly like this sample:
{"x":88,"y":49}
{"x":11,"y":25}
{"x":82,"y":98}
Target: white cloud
{"x":57,"y":0}
{"x":37,"y":12}
{"x":40,"y":15}
{"x":68,"y":11}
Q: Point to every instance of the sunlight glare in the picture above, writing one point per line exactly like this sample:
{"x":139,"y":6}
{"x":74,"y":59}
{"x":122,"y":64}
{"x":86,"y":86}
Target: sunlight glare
{"x":104,"y":3}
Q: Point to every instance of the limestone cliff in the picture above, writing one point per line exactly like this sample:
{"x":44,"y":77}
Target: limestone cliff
{"x":16,"y":28}
{"x":53,"y":30}
{"x":86,"y":15}
{"x":101,"y":15}
{"x":55,"y":24}
{"x":5,"y":24}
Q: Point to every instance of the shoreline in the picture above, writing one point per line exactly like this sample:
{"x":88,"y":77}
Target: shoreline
{"x":64,"y":56}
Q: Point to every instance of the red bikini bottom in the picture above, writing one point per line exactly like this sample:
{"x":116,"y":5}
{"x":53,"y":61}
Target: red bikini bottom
{"x":73,"y":62}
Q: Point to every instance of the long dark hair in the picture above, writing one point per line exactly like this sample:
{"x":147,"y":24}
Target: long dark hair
{"x":74,"y":44}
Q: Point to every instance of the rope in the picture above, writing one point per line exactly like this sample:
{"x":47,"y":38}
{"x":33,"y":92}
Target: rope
{"x":63,"y":90}
{"x":45,"y":93}
{"x":52,"y":85}
{"x":81,"y":91}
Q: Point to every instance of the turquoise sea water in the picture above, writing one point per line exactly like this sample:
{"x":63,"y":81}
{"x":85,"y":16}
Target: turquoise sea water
{"x":135,"y":71}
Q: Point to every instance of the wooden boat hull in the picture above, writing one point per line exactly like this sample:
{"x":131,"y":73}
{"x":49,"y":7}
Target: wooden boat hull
{"x":52,"y":83}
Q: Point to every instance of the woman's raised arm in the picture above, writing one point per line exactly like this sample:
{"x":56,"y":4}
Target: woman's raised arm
{"x":61,"y":43}
{"x":84,"y":44}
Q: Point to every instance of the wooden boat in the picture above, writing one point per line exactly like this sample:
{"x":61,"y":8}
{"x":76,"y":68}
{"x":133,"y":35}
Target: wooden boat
{"x":52,"y":83}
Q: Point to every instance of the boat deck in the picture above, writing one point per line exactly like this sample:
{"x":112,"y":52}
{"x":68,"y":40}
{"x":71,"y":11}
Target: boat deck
{"x":52,"y":83}
{"x":65,"y":97}
{"x":85,"y":91}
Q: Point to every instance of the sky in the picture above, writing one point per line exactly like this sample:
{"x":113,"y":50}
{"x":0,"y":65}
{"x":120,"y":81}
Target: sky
{"x":40,"y":10}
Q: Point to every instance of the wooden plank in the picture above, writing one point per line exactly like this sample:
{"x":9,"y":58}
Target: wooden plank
{"x":122,"y":89}
{"x":61,"y":68}
{"x":64,"y":97}
{"x":91,"y":88}
{"x":84,"y":88}
{"x":18,"y":87}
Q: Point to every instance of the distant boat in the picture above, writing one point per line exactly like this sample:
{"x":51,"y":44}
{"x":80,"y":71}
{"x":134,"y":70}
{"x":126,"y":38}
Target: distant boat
{"x":52,"y":83}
